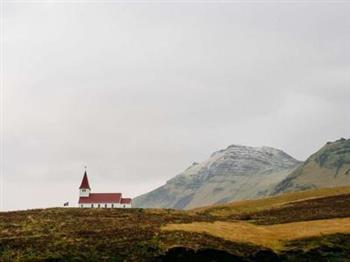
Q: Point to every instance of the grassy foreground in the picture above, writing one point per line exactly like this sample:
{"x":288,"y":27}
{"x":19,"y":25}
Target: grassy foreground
{"x":305,"y":226}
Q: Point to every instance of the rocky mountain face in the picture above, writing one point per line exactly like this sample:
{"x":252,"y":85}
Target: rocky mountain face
{"x":328,"y":167}
{"x":237,"y":172}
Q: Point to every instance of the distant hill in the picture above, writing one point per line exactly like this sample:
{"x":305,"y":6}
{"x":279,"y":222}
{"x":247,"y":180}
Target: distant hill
{"x":328,"y":167}
{"x":237,"y":172}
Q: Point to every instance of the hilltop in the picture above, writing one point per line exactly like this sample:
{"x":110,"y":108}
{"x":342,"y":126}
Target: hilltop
{"x":235,"y":173}
{"x":328,"y":167}
{"x":303,"y":226}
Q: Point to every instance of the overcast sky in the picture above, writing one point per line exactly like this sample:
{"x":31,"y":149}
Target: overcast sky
{"x":139,"y":91}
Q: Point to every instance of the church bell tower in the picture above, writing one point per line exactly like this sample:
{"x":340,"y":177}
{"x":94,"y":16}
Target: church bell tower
{"x":84,"y":189}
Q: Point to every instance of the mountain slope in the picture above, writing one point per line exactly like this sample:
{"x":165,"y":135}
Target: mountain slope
{"x":329,"y":167}
{"x":237,"y":172}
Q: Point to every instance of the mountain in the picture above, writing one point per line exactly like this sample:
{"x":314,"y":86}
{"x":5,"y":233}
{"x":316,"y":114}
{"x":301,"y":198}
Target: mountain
{"x":328,"y":167}
{"x":237,"y":172}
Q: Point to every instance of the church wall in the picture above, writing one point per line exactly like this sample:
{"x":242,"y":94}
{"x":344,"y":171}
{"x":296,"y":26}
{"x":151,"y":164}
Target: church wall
{"x":109,"y":205}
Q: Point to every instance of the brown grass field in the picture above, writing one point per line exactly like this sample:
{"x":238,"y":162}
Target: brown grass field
{"x":305,"y":226}
{"x":245,"y":206}
{"x":269,"y":236}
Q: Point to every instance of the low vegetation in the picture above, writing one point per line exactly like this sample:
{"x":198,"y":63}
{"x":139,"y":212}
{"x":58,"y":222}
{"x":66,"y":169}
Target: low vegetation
{"x":269,"y":236}
{"x":300,"y":226}
{"x":268,"y":203}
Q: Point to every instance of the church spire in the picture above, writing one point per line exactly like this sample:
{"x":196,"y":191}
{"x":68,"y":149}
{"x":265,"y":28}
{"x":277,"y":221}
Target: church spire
{"x":85,"y":182}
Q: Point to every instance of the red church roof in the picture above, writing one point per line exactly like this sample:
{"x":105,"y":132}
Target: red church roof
{"x":85,"y":182}
{"x":101,"y":198}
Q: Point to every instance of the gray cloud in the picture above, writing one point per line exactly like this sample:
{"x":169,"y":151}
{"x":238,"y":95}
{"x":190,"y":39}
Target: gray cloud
{"x":139,"y":91}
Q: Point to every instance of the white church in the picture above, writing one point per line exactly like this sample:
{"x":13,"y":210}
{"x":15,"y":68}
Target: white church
{"x":100,"y":200}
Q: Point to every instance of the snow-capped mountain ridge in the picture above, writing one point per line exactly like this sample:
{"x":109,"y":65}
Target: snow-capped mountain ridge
{"x":236,"y":172}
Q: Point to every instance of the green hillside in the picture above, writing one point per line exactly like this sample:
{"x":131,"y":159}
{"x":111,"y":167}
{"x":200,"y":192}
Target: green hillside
{"x":328,"y":167}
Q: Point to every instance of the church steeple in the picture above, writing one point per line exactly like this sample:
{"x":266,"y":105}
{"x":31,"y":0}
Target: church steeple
{"x":84,"y":189}
{"x":85,"y":182}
